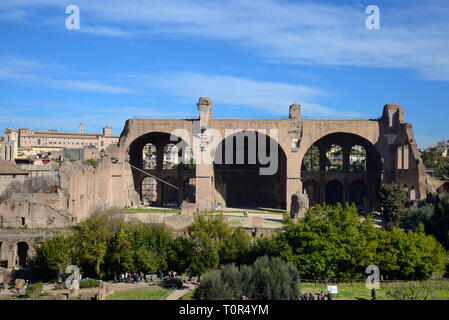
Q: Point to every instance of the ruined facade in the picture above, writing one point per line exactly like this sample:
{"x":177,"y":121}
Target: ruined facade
{"x":391,"y":155}
{"x":225,"y":173}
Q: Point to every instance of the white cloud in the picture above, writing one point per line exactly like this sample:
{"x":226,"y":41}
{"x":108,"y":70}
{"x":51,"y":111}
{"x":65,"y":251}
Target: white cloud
{"x":66,"y":116}
{"x":413,"y":35}
{"x":30,"y":72}
{"x":274,"y":97}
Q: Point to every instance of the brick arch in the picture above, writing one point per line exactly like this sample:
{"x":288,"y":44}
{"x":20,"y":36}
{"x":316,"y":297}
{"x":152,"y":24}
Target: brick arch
{"x":340,"y":140}
{"x":317,"y":129}
{"x":158,"y":138}
{"x":370,"y":177}
{"x":22,"y":253}
{"x":137,"y":128}
{"x":243,"y":185}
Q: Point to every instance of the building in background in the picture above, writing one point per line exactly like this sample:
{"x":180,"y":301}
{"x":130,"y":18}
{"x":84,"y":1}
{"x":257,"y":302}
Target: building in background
{"x":23,"y":143}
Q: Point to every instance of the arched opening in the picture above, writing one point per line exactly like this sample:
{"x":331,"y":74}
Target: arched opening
{"x":170,"y":157}
{"x":22,"y":254}
{"x":149,"y":190}
{"x":189,"y":161}
{"x":189,"y":187}
{"x":170,"y":194}
{"x":313,"y":191}
{"x":334,"y":157}
{"x":412,"y":194}
{"x":334,"y":192}
{"x":156,"y":155}
{"x":3,"y":260}
{"x":149,"y":156}
{"x":311,"y":161}
{"x":345,"y":157}
{"x":357,"y":159}
{"x":358,"y":195}
{"x":158,"y":144}
{"x":243,"y":178}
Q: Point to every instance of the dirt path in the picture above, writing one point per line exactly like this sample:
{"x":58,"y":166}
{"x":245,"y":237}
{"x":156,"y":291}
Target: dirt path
{"x":178,"y":294}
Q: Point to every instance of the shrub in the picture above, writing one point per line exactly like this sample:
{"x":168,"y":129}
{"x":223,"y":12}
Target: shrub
{"x":176,"y":281}
{"x":89,"y":283}
{"x":92,"y":162}
{"x":34,"y":291}
{"x":411,"y":291}
{"x":267,"y":279}
{"x":415,"y":217}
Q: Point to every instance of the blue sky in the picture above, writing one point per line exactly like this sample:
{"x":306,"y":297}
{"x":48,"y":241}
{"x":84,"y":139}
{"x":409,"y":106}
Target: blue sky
{"x":252,"y":58}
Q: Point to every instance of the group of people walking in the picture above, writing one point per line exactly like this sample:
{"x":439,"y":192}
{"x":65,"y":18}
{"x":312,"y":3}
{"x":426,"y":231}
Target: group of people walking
{"x":128,"y":277}
{"x":136,"y":277}
{"x":319,"y":296}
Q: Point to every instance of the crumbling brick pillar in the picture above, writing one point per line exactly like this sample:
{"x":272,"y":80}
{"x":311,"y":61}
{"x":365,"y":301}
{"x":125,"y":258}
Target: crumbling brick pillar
{"x":205,"y":184}
{"x":294,"y":183}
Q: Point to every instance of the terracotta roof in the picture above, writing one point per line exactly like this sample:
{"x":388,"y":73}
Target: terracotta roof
{"x":6,"y":168}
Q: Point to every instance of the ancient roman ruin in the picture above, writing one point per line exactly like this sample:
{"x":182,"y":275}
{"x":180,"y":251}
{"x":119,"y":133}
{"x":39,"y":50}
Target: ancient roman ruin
{"x":227,"y":165}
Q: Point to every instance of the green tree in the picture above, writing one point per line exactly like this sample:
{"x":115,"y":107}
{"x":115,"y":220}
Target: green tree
{"x":438,"y":164}
{"x":54,"y":255}
{"x":324,"y":243}
{"x":417,"y":216}
{"x":409,"y":255}
{"x":119,"y":255}
{"x":266,"y":279}
{"x":91,"y":244}
{"x":392,"y":202}
{"x":214,"y":243}
{"x":334,"y":242}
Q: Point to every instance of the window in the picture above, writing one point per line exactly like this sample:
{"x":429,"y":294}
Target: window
{"x":23,"y":221}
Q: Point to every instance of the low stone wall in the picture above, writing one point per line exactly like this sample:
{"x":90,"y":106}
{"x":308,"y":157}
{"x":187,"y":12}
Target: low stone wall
{"x":178,"y":223}
{"x":105,"y":290}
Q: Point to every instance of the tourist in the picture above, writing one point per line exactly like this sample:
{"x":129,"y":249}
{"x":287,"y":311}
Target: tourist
{"x":311,"y":297}
{"x":329,"y":295}
{"x":322,"y":295}
{"x":373,"y":294}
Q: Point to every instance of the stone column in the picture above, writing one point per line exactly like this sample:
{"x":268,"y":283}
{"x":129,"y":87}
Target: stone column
{"x":322,"y":187}
{"x":346,"y":161}
{"x":205,"y":184}
{"x":294,"y":182}
{"x":159,"y":157}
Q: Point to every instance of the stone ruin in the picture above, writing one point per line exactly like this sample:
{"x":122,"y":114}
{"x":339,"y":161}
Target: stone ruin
{"x":299,"y":205}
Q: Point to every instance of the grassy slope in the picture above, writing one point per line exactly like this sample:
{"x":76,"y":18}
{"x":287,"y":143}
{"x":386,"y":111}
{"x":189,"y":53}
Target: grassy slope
{"x":358,"y":291}
{"x":150,"y":293}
